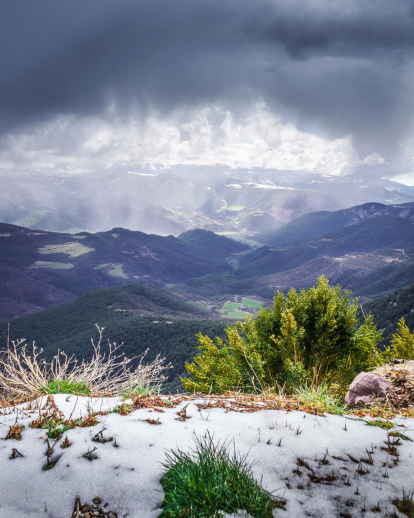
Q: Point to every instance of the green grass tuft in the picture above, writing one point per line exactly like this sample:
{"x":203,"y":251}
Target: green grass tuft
{"x":209,"y":481}
{"x":385,"y":424}
{"x":406,"y":504}
{"x":400,"y":435}
{"x":142,"y":389}
{"x":319,"y":398}
{"x":66,"y":386}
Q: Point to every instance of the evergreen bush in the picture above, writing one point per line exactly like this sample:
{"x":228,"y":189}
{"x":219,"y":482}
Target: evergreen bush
{"x":402,"y":343}
{"x":310,"y":336}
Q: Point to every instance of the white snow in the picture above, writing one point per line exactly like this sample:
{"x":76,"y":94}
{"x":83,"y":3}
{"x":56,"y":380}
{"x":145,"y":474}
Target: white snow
{"x":128,"y":476}
{"x":267,"y":186}
{"x":143,"y":174}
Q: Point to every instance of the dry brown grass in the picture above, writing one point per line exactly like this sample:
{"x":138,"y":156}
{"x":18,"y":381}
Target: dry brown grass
{"x":23,"y":375}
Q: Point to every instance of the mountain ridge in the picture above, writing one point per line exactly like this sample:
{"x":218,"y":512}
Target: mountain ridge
{"x":324,"y":222}
{"x":36,"y":266}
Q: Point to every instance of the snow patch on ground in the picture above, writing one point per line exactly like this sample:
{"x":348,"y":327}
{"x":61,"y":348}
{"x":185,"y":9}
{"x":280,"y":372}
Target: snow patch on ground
{"x":128,"y":476}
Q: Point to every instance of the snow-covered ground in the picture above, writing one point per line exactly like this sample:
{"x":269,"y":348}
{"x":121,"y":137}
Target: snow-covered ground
{"x":128,"y":476}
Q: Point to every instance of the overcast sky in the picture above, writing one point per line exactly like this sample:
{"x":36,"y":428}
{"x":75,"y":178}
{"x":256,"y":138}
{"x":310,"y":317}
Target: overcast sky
{"x":318,"y":85}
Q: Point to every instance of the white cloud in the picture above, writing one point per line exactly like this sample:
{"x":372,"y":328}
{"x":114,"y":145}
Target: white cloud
{"x":373,"y":159}
{"x":208,"y":136}
{"x":405,"y":179}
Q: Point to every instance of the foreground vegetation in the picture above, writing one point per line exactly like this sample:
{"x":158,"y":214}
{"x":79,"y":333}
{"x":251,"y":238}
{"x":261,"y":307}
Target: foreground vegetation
{"x":24,"y":376}
{"x":306,"y":348}
{"x":210,"y":480}
{"x":311,"y":338}
{"x":140,"y":316}
{"x":387,"y":312}
{"x":299,"y":354}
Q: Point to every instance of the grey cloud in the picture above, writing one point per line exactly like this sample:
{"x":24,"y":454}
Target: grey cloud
{"x":342,"y":67}
{"x":352,"y":28}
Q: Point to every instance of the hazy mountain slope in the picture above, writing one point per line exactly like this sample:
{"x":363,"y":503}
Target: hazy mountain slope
{"x":371,"y":258}
{"x":143,"y":317}
{"x":367,"y":275}
{"x":40,"y":269}
{"x":388,"y":310}
{"x":171,"y":201}
{"x":212,"y":243}
{"x":320,"y":223}
{"x":34,"y":218}
{"x":282,"y":202}
{"x":366,"y":236}
{"x":21,"y":294}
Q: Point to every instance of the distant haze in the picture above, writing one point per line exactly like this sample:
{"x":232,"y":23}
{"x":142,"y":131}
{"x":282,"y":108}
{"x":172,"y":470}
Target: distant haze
{"x":317,"y":86}
{"x":171,"y":201}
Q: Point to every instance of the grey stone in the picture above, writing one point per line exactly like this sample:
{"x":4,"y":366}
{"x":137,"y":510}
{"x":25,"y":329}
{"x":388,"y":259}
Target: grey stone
{"x":365,"y":389}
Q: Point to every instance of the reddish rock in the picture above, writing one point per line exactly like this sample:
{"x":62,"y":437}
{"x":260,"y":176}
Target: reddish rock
{"x":365,"y":389}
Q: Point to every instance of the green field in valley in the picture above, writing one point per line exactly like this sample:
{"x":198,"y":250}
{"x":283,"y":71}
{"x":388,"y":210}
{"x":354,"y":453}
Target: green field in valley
{"x":239,"y":315}
{"x":230,"y":306}
{"x":198,"y":305}
{"x":252,"y":303}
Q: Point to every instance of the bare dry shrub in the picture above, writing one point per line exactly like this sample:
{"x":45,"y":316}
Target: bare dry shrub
{"x":23,"y":375}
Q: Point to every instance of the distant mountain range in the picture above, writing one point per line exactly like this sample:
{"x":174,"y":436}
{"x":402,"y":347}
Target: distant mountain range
{"x":323,"y":222}
{"x":40,"y":269}
{"x":370,"y":251}
{"x":171,"y":201}
{"x":158,"y":292}
{"x":382,"y":232}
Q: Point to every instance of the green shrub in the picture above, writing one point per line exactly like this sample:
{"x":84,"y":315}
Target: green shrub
{"x":210,"y":481}
{"x":65,"y":386}
{"x":306,"y":337}
{"x":402,"y":343}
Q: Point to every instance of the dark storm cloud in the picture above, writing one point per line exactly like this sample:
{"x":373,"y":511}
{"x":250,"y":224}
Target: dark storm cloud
{"x":340,"y":66}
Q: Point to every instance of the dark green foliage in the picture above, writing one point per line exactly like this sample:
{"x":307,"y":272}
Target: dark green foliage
{"x":55,"y":431}
{"x":307,"y":337}
{"x":128,"y":314}
{"x":406,"y":504}
{"x":211,"y":480}
{"x":387,"y":312}
{"x":50,"y":466}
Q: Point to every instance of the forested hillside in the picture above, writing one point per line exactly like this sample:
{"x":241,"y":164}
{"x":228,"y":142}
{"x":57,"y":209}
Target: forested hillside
{"x":40,"y":269}
{"x":143,"y":317}
{"x":388,"y":310}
